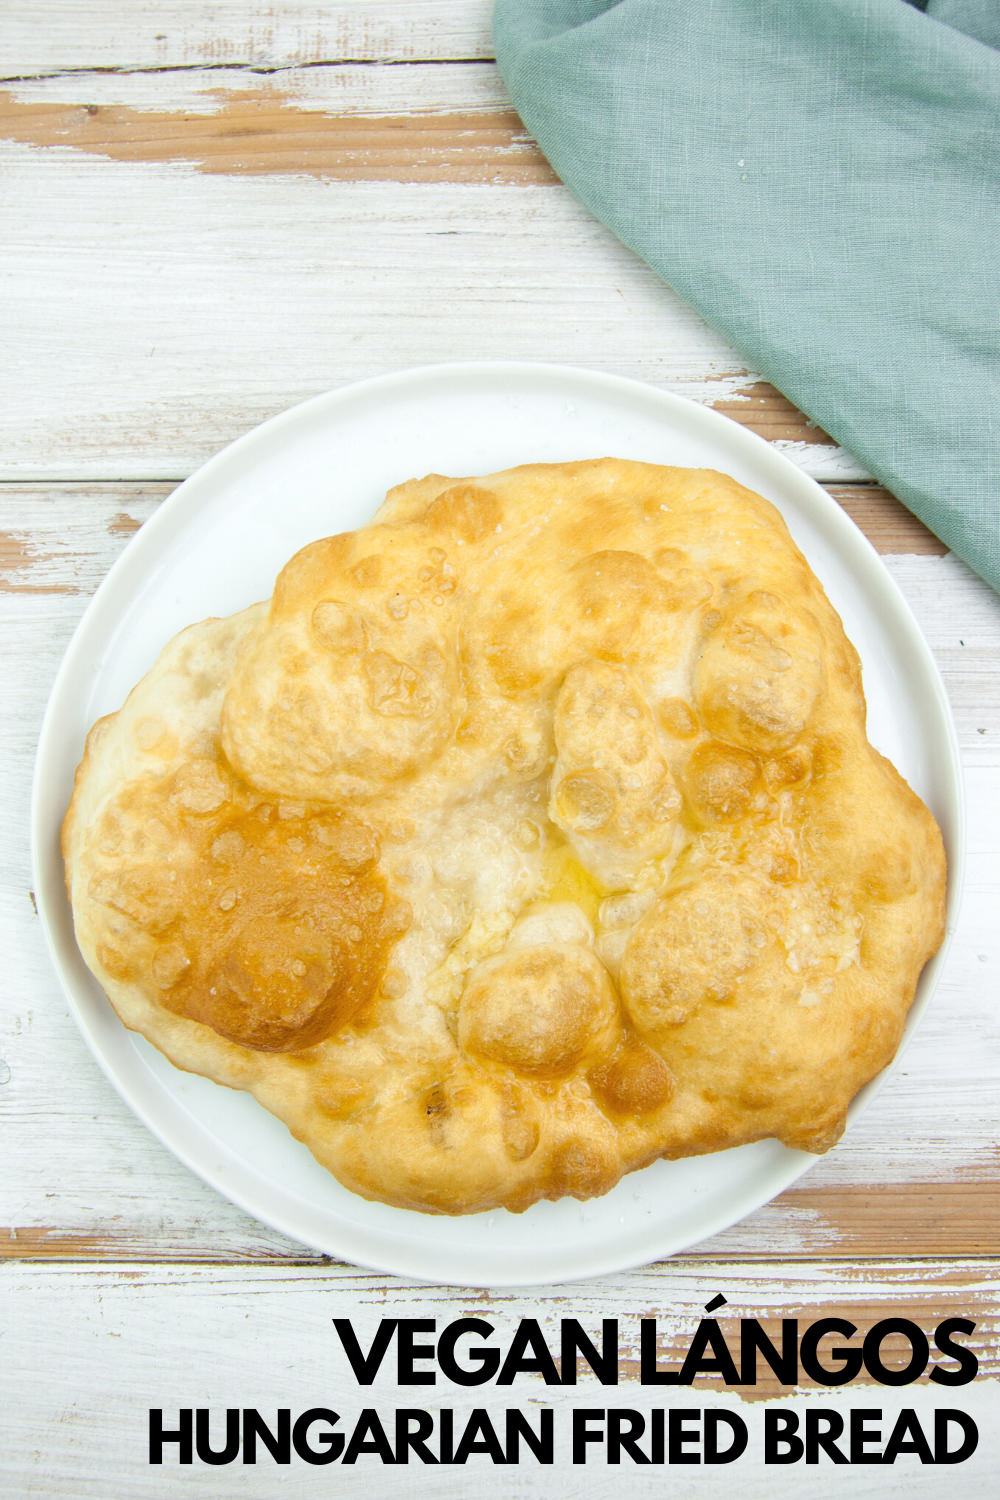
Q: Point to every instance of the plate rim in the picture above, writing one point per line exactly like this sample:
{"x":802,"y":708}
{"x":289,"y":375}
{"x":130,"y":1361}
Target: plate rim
{"x":172,"y":516}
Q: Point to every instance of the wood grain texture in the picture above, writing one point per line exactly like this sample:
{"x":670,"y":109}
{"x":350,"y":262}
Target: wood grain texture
{"x":270,"y":130}
{"x":62,"y":539}
{"x":212,"y":209}
{"x":955,"y":1220}
{"x":329,"y":123}
{"x":336,"y":89}
{"x":152,"y":1336}
{"x":885,"y":521}
{"x":674,"y":1294}
{"x":54,"y":36}
{"x":260,"y":135}
{"x":192,"y":303}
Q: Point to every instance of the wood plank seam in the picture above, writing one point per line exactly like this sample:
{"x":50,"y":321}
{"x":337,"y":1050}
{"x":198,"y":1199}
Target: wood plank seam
{"x":263,"y":70}
{"x":278,"y":1260}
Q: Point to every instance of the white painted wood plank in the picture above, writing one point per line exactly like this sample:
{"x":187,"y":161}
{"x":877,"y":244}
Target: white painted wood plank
{"x":348,"y":88}
{"x":137,"y":294}
{"x":959,"y":615}
{"x":54,"y":35}
{"x":88,"y":1352}
{"x":77,"y":1163}
{"x":154,"y":312}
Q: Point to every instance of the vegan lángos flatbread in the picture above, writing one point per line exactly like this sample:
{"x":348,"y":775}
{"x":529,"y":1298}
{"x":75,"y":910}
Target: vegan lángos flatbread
{"x":526,"y":835}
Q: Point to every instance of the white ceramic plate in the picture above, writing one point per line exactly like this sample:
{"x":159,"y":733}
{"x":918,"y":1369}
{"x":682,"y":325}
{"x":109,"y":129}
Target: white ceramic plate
{"x":215,"y":546}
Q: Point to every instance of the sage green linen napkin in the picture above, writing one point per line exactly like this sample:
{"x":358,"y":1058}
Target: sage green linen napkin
{"x":820,"y":179}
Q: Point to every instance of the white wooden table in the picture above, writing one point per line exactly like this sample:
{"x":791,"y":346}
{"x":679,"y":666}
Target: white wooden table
{"x":210,"y":210}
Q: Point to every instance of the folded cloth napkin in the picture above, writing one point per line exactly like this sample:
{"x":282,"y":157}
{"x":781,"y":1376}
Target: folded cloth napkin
{"x":820,"y":179}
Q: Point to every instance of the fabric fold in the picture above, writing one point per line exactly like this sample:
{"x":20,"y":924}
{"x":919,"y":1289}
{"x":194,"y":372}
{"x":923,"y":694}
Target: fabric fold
{"x":820,"y":180}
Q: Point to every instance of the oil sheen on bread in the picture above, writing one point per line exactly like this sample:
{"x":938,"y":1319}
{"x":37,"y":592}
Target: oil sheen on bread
{"x":525,"y":835}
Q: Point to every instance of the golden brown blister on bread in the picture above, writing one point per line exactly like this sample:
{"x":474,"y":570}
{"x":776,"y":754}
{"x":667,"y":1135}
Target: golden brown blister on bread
{"x":526,"y":835}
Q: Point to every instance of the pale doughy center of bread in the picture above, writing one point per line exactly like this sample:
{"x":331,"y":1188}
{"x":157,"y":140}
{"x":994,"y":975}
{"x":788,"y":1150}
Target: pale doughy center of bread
{"x":526,"y":835}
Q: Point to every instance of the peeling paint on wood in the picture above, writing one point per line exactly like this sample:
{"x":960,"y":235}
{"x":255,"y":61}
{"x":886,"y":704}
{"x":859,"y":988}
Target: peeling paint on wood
{"x":63,"y":540}
{"x":195,"y":312}
{"x":258,"y":214}
{"x":113,"y":1345}
{"x":953,"y":1217}
{"x":123,"y":525}
{"x":53,"y":35}
{"x":258,"y":134}
{"x":930,"y":1219}
{"x":23,"y":563}
{"x":886,"y":522}
{"x":770,"y":414}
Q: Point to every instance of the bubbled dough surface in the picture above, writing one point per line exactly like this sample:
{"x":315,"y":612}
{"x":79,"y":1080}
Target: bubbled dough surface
{"x":526,"y":835}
